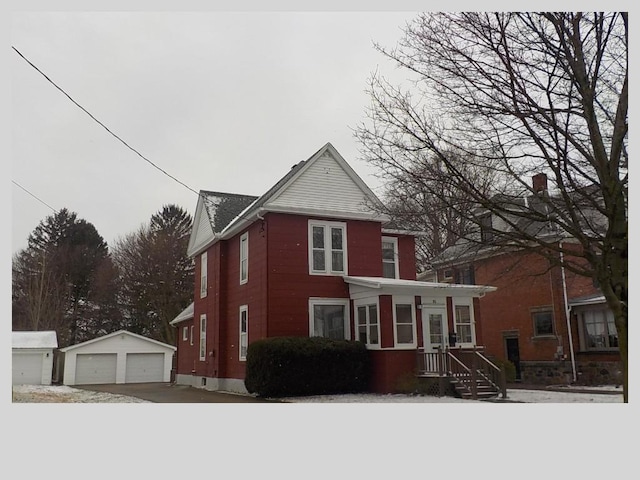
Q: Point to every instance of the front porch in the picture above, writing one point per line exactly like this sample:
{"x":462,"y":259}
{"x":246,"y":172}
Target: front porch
{"x":468,"y":370}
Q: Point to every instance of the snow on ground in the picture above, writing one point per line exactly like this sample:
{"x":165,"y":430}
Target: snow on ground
{"x":66,"y":394}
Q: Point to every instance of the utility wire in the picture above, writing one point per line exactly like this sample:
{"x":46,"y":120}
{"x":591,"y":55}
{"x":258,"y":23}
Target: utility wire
{"x":204,"y":198}
{"x":102,"y":124}
{"x":41,"y":201}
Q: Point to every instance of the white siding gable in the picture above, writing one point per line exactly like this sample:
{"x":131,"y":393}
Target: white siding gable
{"x":202,"y":232}
{"x":324,"y":186}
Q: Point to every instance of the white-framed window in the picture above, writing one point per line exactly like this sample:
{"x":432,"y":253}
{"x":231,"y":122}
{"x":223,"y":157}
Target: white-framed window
{"x":542,"y":321}
{"x":390,"y":257}
{"x":463,"y":321}
{"x":203,"y":336}
{"x":368,"y":322}
{"x":185,"y":334}
{"x":203,"y":275}
{"x":329,"y":317}
{"x":404,"y":322}
{"x":327,"y":248}
{"x":191,"y":335}
{"x":598,"y":330}
{"x":244,"y":258}
{"x":244,"y":331}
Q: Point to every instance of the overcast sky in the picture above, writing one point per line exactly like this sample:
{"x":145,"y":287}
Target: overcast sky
{"x":219,"y":100}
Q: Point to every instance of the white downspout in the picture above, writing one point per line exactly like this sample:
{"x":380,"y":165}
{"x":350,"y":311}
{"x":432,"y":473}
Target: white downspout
{"x":567,"y":314}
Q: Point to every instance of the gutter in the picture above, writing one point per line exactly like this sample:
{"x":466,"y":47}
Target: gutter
{"x":567,"y":312}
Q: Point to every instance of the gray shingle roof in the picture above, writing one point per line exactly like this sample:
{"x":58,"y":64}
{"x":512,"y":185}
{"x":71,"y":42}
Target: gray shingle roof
{"x":223,"y":208}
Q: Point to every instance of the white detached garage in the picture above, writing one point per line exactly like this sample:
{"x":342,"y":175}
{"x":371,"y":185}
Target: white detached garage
{"x":32,"y":357}
{"x":120,"y":357}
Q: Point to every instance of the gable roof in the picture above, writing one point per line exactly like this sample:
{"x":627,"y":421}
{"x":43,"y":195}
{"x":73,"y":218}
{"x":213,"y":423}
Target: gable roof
{"x":119,"y":332}
{"x":323,"y":185}
{"x":186,"y":314}
{"x":43,"y":339}
{"x":215,"y":210}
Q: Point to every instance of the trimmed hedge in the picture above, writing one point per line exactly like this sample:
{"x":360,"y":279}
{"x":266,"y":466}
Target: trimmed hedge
{"x":297,"y":366}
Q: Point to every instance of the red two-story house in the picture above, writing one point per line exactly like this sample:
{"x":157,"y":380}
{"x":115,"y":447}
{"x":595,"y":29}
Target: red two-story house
{"x":310,"y":257}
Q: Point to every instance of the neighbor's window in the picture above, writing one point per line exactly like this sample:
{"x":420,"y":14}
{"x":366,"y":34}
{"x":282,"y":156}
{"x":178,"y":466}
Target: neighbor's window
{"x":329,"y":318}
{"x":244,"y":331}
{"x":368,"y":327}
{"x":327,"y":248}
{"x":599,"y":330}
{"x":203,"y":336}
{"x":542,"y":322}
{"x":244,"y":258}
{"x":203,"y":275}
{"x":390,"y":257}
{"x":486,"y":228}
{"x":464,"y":325}
{"x":404,"y":323}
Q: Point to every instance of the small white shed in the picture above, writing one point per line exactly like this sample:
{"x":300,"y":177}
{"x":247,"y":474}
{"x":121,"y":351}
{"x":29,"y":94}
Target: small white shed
{"x":119,"y":357}
{"x":32,"y":357}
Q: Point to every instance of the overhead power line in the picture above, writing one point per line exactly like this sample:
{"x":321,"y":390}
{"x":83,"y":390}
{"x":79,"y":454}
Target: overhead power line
{"x":102,"y":124}
{"x":41,"y":201}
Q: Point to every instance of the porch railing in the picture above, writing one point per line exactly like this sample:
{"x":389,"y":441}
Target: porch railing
{"x":467,"y":365}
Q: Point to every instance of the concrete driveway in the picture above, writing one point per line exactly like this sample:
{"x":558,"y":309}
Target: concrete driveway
{"x":171,"y":393}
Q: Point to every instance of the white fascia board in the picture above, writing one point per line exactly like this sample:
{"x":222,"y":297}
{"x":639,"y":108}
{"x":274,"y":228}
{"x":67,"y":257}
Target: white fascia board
{"x":383,"y":286}
{"x":413,"y":233}
{"x":371,"y":216}
{"x":198,"y":249}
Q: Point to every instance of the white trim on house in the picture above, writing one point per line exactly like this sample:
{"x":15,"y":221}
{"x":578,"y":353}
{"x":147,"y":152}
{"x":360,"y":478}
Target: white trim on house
{"x":244,"y":258}
{"x":404,"y":300}
{"x":344,"y":302}
{"x":202,"y":346}
{"x":367,"y":303}
{"x":243,"y":329}
{"x":327,"y":247}
{"x":464,"y":302}
{"x":203,"y":275}
{"x":396,"y":258}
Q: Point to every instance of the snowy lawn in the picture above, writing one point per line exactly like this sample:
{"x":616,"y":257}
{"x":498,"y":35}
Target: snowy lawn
{"x":65,"y":394}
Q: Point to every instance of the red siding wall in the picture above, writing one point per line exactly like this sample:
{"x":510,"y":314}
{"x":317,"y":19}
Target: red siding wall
{"x":524,"y":282}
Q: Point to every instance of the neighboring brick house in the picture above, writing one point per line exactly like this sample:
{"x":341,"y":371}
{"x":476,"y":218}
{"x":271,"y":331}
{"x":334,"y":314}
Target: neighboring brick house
{"x":310,"y":257}
{"x":552,"y":324}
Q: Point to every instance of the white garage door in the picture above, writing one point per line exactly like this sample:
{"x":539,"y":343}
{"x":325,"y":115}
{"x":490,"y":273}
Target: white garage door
{"x":95,"y":368}
{"x":26,"y":368}
{"x":145,"y":367}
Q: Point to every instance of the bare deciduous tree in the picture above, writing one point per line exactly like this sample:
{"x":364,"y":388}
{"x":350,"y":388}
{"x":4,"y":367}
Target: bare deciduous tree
{"x":520,"y":93}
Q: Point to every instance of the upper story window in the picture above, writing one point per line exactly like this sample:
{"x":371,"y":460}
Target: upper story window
{"x":542,"y":322}
{"x":390,"y":257}
{"x":327,"y":248}
{"x":185,"y":333}
{"x":598,"y":330}
{"x":465,"y":275}
{"x":244,"y":258}
{"x":203,"y":275}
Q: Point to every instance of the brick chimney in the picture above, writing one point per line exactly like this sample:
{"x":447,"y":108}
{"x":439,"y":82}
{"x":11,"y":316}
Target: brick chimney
{"x":539,"y":182}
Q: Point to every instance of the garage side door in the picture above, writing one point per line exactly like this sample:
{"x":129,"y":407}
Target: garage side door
{"x":95,"y":368}
{"x":145,"y":367}
{"x":26,"y":368}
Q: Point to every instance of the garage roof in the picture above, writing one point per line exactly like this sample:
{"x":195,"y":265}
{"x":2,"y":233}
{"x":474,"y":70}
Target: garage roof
{"x":44,"y":339}
{"x":119,"y":332}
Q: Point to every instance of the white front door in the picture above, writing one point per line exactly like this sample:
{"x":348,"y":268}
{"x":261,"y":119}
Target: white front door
{"x":434,"y":327}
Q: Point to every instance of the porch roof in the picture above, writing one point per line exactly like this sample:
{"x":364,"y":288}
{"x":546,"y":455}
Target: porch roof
{"x":414,"y":287}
